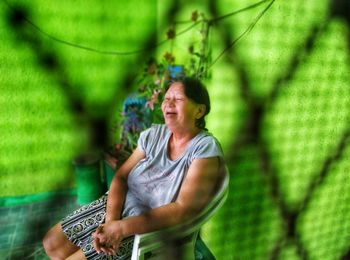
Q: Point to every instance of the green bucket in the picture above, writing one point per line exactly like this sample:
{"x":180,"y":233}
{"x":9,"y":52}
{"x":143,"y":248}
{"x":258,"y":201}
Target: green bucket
{"x":109,"y":172}
{"x":88,"y":178}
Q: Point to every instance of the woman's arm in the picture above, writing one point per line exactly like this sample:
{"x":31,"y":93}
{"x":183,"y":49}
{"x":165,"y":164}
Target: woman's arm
{"x":194,"y":194}
{"x":118,"y":187}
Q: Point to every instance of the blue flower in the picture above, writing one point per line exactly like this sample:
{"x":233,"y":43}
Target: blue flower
{"x":175,"y":71}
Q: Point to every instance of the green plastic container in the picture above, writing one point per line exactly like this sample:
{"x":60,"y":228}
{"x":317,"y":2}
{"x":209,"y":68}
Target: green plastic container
{"x":109,"y":173}
{"x":88,"y":178}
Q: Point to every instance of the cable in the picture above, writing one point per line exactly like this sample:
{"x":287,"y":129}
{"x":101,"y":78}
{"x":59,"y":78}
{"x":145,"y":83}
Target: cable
{"x":250,"y":27}
{"x":119,"y":53}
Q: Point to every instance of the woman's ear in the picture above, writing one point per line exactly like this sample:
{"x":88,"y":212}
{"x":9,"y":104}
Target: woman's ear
{"x":201,"y":111}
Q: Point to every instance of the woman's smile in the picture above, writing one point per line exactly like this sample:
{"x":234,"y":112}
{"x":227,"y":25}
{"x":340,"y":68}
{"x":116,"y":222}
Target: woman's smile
{"x":170,"y":114}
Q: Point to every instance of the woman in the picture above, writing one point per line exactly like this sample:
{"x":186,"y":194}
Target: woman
{"x":167,"y":179}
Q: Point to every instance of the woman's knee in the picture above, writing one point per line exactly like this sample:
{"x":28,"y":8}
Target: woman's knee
{"x":57,"y":245}
{"x":50,"y":242}
{"x":54,"y":240}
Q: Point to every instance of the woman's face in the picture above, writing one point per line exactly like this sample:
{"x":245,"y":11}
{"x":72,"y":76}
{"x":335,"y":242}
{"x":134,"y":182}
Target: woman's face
{"x":179,"y":110}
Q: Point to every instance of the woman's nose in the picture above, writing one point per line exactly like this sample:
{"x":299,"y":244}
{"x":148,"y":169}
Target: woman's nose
{"x":171,"y":102}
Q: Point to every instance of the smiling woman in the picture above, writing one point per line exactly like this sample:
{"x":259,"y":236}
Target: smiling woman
{"x":183,"y":114}
{"x":194,"y":91}
{"x":169,"y":178}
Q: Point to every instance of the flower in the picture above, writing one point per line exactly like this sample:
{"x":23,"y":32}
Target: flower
{"x":154,"y":99}
{"x":171,"y":33}
{"x":194,"y":16}
{"x":169,"y":57}
{"x":135,"y":118}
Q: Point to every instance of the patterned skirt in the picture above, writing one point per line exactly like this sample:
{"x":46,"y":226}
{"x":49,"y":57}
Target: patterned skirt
{"x":80,"y":224}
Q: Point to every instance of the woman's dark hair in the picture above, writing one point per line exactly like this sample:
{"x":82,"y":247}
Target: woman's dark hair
{"x":196,"y":91}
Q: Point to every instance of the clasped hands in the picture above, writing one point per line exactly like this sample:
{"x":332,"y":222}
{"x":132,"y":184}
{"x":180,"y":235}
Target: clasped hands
{"x":107,"y":237}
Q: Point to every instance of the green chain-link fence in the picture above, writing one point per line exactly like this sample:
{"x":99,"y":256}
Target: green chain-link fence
{"x":280,"y":98}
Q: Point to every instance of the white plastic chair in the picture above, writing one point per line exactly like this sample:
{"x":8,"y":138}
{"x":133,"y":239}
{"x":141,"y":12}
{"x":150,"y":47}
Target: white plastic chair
{"x":178,"y":242}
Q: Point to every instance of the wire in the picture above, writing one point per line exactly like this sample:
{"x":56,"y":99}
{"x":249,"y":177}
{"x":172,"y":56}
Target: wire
{"x":120,"y":53}
{"x":214,"y":20}
{"x":250,"y":27}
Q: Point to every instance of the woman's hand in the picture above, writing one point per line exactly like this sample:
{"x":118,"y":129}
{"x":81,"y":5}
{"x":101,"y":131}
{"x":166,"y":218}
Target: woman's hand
{"x":107,"y":237}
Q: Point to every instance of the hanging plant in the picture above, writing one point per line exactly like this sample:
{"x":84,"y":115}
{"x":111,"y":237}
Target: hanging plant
{"x":142,"y":109}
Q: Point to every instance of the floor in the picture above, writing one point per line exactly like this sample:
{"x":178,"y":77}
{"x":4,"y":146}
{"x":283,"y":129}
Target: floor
{"x":23,"y":227}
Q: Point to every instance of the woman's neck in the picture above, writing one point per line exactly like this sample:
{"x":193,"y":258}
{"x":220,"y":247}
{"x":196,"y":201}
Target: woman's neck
{"x":184,"y":136}
{"x":179,"y":141}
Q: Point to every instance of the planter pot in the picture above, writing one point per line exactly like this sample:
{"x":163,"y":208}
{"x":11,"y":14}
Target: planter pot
{"x":88,"y":178}
{"x":110,"y":165}
{"x":109,"y":171}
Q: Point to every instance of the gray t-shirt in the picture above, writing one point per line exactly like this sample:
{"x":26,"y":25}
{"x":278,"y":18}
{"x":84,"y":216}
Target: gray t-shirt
{"x":156,"y":179}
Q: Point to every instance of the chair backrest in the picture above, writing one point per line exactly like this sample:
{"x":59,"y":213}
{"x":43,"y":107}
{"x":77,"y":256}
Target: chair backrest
{"x":146,"y":244}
